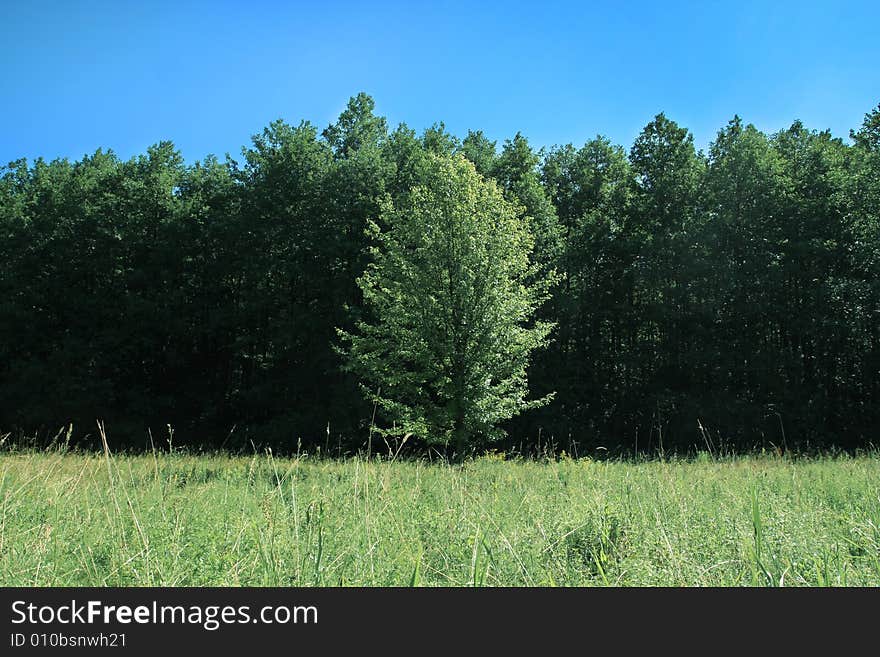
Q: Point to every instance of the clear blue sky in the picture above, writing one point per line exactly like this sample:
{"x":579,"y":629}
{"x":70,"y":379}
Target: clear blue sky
{"x":76,"y":76}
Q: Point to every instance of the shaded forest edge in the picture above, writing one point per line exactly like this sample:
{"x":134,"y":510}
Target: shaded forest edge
{"x":724,"y":301}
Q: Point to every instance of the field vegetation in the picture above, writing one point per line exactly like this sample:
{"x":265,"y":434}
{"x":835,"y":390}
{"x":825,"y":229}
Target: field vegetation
{"x":179,"y":519}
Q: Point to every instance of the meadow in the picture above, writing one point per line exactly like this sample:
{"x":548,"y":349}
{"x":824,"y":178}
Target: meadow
{"x":176,"y":519}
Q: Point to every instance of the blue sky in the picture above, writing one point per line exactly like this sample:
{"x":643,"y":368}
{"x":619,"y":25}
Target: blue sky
{"x":76,"y":76}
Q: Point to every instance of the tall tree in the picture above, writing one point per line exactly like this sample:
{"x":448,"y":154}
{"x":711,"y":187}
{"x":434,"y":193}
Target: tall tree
{"x":815,"y":229}
{"x":453,"y":292}
{"x":591,"y":360}
{"x":664,"y":219}
{"x":288,"y":287}
{"x":516,"y":171}
{"x":863,"y":294}
{"x":738,"y":367}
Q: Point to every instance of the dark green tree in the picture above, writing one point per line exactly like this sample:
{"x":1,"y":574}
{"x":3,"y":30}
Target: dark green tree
{"x":592,"y":360}
{"x":664,"y":221}
{"x":480,"y":150}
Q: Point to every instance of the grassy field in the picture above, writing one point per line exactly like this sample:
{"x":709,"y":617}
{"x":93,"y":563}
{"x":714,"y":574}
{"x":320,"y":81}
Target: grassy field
{"x":178,"y":519}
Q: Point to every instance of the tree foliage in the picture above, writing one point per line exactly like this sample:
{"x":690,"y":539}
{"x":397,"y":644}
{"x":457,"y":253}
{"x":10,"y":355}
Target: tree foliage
{"x":452,"y":292}
{"x":729,"y":298}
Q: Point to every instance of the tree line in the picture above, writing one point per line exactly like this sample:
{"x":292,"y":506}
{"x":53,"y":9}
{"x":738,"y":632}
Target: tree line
{"x":655,"y":299}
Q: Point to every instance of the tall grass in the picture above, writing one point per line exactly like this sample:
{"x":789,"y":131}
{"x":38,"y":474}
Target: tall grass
{"x":175,"y":519}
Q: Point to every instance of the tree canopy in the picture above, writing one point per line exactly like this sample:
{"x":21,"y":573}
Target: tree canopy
{"x":726,"y":299}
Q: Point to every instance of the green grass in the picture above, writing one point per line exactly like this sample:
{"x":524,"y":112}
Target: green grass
{"x":176,"y":519}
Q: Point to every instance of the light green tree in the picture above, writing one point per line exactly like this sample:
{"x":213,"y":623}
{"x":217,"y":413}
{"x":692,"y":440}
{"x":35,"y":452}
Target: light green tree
{"x":451,"y":293}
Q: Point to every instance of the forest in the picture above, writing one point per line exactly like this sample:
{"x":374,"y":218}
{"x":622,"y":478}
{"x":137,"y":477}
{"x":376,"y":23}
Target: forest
{"x":661,"y":299}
